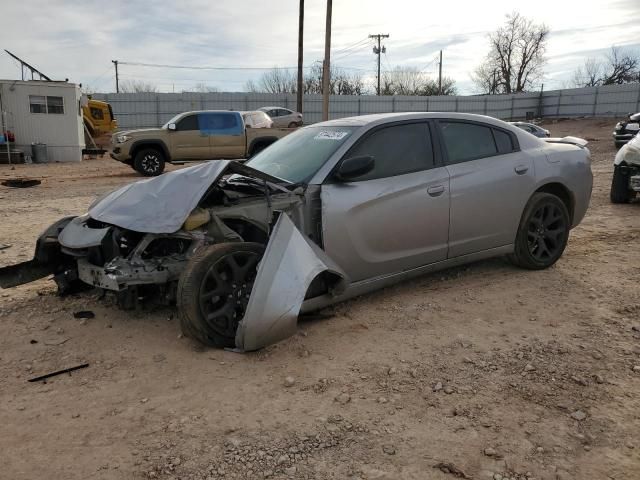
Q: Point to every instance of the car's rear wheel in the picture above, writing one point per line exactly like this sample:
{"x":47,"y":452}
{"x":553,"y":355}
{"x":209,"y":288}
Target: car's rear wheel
{"x":293,"y":125}
{"x":149,"y":162}
{"x":543,"y":232}
{"x":214,"y":289}
{"x":620,"y":192}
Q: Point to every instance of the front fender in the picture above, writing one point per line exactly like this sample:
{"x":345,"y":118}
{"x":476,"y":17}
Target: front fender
{"x":289,"y":265}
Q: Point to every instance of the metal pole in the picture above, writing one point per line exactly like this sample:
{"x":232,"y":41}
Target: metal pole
{"x":440,"y":75}
{"x":300,"y":44}
{"x":5,"y":131}
{"x":379,"y":53}
{"x":115,"y":62}
{"x":326,"y":72}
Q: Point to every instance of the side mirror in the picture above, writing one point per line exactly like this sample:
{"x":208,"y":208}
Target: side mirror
{"x":354,"y":167}
{"x":171,"y":126}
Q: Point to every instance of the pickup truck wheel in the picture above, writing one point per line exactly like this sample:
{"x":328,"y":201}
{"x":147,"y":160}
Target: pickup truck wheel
{"x":149,"y":162}
{"x":543,"y":232}
{"x":620,"y":192}
{"x":214,"y":289}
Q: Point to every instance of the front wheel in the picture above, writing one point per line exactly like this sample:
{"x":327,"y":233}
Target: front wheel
{"x":214,"y":290}
{"x":620,"y":192}
{"x":543,"y":232}
{"x":149,"y":162}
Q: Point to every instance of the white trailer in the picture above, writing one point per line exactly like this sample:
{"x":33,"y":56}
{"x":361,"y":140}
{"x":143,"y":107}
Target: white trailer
{"x":43,"y":112}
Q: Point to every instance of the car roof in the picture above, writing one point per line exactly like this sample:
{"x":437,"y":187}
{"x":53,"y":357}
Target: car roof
{"x":269,"y":108}
{"x":379,"y":118}
{"x":210,"y":111}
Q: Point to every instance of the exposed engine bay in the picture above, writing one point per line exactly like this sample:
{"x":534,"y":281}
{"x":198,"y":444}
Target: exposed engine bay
{"x":137,"y":241}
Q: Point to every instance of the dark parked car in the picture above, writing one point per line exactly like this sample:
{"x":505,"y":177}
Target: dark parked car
{"x":532,"y":129}
{"x":626,"y":130}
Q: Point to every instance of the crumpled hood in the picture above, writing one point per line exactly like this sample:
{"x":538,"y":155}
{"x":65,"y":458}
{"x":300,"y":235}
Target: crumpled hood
{"x":160,"y":204}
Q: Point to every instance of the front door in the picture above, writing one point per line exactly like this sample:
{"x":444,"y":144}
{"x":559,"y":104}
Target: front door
{"x":491,"y":182}
{"x":395,"y":217}
{"x":188,"y":142}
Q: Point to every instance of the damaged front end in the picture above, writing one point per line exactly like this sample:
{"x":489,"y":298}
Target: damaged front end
{"x":138,"y":241}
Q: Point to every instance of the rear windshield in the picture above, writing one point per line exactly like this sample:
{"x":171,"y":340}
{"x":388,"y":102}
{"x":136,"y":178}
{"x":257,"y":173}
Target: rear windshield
{"x":299,"y":155}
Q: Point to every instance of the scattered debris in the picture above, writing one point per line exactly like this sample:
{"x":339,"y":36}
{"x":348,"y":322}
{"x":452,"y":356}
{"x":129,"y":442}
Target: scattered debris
{"x":22,"y":182}
{"x":84,"y":314}
{"x":446,"y":467}
{"x":579,"y":415}
{"x":4,"y":246}
{"x":389,"y":449}
{"x":343,"y":398}
{"x":58,"y":372}
{"x":56,"y":342}
{"x":289,"y":381}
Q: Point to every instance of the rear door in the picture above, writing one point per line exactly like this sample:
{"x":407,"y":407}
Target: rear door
{"x":187,"y":141}
{"x":226,"y":134}
{"x":394,"y":218}
{"x":491,"y":181}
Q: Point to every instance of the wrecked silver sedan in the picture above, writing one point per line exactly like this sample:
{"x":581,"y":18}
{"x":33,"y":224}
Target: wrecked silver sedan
{"x":329,"y":212}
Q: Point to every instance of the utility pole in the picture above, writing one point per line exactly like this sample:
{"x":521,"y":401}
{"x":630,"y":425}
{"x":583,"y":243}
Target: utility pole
{"x":300,"y":43}
{"x":440,"y":75}
{"x":326,"y":71}
{"x":115,"y":62}
{"x":378,"y":50}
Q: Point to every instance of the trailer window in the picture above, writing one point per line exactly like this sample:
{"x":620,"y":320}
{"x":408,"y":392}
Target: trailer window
{"x":55,"y":105}
{"x":46,"y":104}
{"x":38,"y":103}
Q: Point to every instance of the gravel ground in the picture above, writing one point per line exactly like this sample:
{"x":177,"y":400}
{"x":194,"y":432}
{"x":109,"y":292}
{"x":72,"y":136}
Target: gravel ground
{"x":484,"y":371}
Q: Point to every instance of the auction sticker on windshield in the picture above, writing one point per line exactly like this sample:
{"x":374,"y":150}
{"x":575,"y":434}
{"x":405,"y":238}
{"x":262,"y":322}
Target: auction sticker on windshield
{"x":330,"y":135}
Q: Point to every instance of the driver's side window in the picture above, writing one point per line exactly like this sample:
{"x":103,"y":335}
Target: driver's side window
{"x":190,"y":122}
{"x":396,"y":150}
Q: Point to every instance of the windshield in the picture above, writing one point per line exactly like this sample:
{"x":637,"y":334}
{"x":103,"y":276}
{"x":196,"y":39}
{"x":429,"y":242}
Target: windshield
{"x":174,"y":119}
{"x":299,"y":155}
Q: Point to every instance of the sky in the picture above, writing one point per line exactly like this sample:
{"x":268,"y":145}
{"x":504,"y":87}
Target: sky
{"x":78,"y":39}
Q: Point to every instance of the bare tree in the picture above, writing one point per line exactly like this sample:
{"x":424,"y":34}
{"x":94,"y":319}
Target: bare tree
{"x":276,"y":80}
{"x":620,"y":67}
{"x":410,"y":81}
{"x":617,"y":67}
{"x":589,"y":74}
{"x":516,"y":57}
{"x":137,"y":86}
{"x":204,"y":88}
{"x":282,"y":81}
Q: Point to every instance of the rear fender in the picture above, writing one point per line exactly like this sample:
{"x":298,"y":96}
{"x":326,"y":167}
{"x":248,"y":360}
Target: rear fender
{"x":289,"y":265}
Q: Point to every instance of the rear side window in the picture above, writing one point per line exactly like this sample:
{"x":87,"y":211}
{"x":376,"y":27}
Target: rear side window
{"x":190,"y":122}
{"x":220,"y":123}
{"x":503,"y":141}
{"x":467,"y":141}
{"x":397,"y":150}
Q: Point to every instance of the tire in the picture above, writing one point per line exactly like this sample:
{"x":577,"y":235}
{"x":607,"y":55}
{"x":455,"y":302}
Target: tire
{"x":149,"y":162}
{"x":620,"y":192}
{"x":293,"y":125}
{"x":543,"y":232}
{"x":619,"y":145}
{"x":214,"y":289}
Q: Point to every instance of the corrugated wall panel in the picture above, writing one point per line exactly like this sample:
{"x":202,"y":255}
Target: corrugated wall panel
{"x":136,"y":110}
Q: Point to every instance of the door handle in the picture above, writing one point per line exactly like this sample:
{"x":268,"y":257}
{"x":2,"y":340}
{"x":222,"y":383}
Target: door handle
{"x":435,"y":190}
{"x":521,"y":169}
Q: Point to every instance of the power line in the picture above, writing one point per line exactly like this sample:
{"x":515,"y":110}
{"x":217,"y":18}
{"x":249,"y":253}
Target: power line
{"x":190,"y":67}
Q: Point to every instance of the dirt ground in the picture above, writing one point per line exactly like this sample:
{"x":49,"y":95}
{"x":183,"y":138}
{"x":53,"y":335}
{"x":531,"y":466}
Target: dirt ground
{"x":484,"y":371}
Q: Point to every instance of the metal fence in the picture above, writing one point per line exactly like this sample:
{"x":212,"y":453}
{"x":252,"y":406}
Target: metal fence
{"x":139,"y":110}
